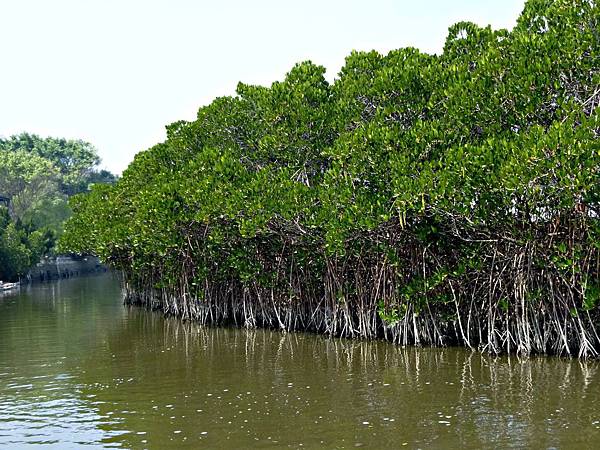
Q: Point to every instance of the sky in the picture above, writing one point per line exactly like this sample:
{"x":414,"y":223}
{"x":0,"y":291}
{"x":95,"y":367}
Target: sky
{"x":115,"y":72}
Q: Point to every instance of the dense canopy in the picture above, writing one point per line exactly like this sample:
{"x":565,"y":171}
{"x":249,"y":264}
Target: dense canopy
{"x":429,"y":199}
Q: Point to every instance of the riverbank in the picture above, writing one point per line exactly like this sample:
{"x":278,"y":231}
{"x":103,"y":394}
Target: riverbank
{"x":60,"y":267}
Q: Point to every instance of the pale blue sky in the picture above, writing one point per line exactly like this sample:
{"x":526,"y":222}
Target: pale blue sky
{"x":115,"y":72}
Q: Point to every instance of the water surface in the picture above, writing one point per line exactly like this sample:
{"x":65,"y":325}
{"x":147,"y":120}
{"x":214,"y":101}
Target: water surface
{"x":78,"y":370}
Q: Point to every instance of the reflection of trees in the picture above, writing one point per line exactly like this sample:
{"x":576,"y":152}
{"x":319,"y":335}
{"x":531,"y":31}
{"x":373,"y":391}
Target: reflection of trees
{"x":44,"y":330}
{"x":57,"y":319}
{"x":487,"y":401}
{"x":112,"y":372}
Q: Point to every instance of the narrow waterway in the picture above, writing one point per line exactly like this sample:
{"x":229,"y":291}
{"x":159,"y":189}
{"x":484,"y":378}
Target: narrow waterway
{"x":79,"y":369}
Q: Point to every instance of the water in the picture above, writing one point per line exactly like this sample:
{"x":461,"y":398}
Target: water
{"x":78,"y":370}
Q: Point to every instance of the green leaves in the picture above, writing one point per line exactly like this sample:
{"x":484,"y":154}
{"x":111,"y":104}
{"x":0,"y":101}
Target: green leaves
{"x":15,"y":256}
{"x":36,"y":176}
{"x":73,"y":161}
{"x":494,"y":142}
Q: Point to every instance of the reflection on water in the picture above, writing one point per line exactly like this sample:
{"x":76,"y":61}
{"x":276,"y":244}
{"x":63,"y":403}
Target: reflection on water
{"x":78,"y":368}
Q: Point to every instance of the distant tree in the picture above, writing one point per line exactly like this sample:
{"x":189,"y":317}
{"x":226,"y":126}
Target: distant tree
{"x":37,"y":175}
{"x":25,"y":179}
{"x":101,"y":177}
{"x":75,"y":160}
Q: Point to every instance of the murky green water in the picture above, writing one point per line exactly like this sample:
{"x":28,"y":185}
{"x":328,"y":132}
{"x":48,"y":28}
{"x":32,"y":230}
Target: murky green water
{"x":77,"y":369}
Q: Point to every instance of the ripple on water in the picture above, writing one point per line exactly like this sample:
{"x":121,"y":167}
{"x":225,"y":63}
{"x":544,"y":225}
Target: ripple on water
{"x":86,"y":371}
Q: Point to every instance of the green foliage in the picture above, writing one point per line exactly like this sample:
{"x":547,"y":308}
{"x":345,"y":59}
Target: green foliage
{"x":447,"y":160}
{"x":75,"y":160}
{"x":14,"y":254}
{"x":391,"y":316}
{"x":36,"y":178}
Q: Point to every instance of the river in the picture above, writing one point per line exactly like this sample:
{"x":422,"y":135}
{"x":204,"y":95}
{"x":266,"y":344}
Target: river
{"x":80,"y":370}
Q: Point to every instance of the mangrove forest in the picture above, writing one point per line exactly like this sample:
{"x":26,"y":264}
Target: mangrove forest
{"x":449,"y":199}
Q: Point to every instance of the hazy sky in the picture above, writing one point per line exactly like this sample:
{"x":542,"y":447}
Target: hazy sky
{"x":115,"y":72}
